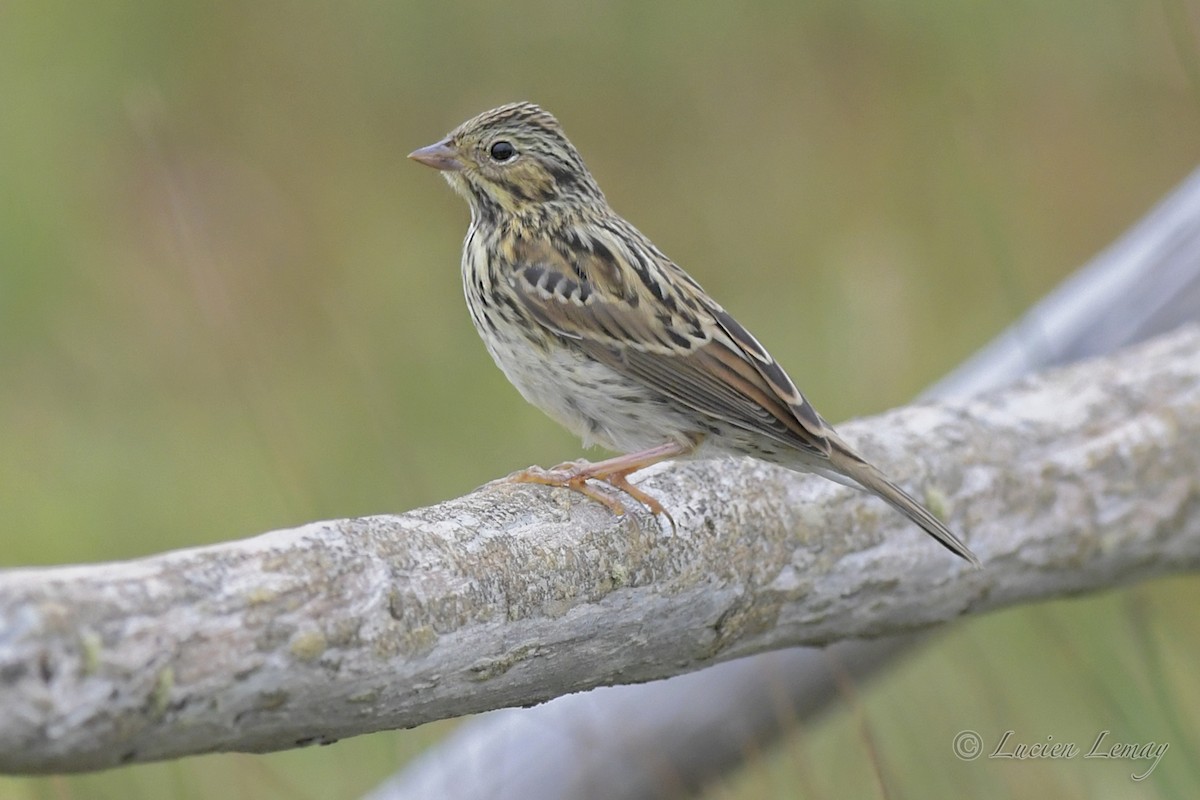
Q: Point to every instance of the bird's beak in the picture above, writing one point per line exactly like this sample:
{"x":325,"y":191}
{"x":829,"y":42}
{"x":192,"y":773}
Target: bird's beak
{"x":441,"y":156}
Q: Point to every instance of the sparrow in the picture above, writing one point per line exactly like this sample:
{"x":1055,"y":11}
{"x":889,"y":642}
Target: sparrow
{"x":598,"y":328}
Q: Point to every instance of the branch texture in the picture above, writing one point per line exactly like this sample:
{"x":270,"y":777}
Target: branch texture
{"x":1076,"y":480}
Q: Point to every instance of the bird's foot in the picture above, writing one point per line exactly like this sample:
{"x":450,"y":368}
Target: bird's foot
{"x":572,"y":475}
{"x":615,"y":472}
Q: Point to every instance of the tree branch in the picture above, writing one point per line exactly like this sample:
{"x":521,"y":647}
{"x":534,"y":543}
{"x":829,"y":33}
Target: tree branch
{"x":702,"y":724}
{"x":1077,"y":480}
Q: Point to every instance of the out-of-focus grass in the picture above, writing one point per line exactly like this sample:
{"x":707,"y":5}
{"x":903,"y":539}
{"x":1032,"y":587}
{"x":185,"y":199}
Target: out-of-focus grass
{"x":1065,"y":672}
{"x":228,"y":304}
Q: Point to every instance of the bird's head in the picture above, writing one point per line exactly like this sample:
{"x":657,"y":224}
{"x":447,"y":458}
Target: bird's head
{"x":514,"y":159}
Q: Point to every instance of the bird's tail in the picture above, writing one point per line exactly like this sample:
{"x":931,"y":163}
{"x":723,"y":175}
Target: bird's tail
{"x":853,"y":466}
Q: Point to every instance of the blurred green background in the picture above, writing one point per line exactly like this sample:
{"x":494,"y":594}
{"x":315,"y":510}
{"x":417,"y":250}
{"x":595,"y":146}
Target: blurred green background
{"x":228,"y":304}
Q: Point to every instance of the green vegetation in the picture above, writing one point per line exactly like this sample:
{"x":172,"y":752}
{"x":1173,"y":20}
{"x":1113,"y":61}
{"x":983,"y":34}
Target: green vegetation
{"x":228,"y":303}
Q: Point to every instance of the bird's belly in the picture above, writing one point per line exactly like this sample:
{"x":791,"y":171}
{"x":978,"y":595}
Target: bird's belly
{"x":587,"y":397}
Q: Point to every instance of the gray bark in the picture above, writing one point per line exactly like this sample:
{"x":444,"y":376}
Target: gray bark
{"x":1072,"y":481}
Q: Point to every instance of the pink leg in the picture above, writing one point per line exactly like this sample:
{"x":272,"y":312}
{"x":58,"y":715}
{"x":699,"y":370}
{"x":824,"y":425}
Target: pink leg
{"x":614,"y":471}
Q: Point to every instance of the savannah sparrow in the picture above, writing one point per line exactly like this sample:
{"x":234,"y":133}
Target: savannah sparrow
{"x":598,"y":328}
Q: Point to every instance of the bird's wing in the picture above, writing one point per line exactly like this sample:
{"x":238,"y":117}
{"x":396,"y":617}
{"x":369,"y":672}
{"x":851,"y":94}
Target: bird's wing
{"x":619,"y":299}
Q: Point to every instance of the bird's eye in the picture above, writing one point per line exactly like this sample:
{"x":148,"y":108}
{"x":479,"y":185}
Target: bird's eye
{"x":502,"y":151}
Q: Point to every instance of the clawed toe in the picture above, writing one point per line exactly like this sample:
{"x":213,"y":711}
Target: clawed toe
{"x":621,"y":482}
{"x":615,"y":472}
{"x":574,"y":475}
{"x":555,"y":476}
{"x":571,"y":475}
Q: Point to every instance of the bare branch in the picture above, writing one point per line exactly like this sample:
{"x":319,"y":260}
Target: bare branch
{"x":513,"y":595}
{"x":700,"y":725}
